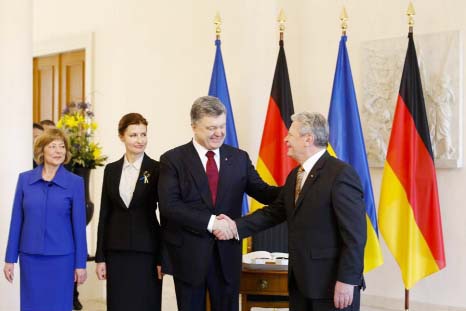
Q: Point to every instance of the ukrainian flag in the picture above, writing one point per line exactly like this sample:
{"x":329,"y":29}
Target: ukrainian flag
{"x":219,"y":88}
{"x":347,"y":143}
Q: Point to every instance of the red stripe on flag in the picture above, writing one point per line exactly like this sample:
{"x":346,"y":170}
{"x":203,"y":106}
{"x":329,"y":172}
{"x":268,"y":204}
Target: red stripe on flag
{"x":413,"y":165}
{"x":273,"y":150}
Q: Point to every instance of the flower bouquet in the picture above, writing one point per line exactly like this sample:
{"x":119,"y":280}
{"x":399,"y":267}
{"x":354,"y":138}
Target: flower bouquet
{"x":77,"y":122}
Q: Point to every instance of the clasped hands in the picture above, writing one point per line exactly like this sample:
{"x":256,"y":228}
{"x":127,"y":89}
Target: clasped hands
{"x":224,"y":228}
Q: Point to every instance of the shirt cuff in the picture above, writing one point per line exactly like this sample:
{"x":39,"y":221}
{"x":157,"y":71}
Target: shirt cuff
{"x":210,"y":225}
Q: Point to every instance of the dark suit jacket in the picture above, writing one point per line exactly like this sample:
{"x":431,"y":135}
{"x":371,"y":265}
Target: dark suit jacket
{"x":186,"y":205}
{"x":327,"y":227}
{"x":133,"y":228}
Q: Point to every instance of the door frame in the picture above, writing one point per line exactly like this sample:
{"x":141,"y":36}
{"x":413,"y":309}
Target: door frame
{"x":82,"y":41}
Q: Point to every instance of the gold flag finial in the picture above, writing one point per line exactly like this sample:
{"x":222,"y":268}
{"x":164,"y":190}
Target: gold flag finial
{"x":281,"y":23}
{"x":343,"y":19}
{"x":218,"y":23}
{"x":411,"y":12}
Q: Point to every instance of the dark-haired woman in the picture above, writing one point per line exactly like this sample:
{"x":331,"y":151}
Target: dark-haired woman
{"x":128,"y":252}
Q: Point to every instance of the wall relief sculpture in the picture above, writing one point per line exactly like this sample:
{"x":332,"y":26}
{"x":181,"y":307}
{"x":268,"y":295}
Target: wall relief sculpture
{"x":440,"y":65}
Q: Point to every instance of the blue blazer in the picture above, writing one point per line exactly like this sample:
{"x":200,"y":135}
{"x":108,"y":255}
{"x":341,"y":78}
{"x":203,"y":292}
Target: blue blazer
{"x":48,"y":218}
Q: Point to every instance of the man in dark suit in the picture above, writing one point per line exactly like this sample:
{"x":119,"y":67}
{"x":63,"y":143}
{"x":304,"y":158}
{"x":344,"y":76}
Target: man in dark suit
{"x":198,"y":181}
{"x":322,"y":201}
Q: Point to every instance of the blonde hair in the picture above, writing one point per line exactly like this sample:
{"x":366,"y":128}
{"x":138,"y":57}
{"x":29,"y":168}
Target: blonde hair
{"x":46,"y":138}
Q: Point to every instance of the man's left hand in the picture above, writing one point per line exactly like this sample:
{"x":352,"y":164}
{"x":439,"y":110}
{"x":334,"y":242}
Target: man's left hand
{"x":343,"y":296}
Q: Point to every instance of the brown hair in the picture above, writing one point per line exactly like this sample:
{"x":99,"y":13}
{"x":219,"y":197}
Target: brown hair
{"x":46,"y":138}
{"x":37,"y":126}
{"x":47,"y":122}
{"x":130,"y":119}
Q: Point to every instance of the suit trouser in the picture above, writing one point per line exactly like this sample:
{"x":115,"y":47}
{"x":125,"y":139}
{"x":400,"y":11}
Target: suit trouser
{"x":75,"y":293}
{"x":223,"y":295}
{"x":299,"y":302}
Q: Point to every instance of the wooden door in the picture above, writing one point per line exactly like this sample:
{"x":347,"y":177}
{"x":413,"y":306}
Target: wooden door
{"x":57,"y":81}
{"x":72,"y":77}
{"x":45,"y":87}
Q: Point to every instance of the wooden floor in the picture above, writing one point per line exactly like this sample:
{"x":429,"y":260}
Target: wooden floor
{"x":169,"y":300}
{"x":171,"y":306}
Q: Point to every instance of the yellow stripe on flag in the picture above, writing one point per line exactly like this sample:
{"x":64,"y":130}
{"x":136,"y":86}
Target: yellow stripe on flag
{"x":372,"y":252}
{"x":265,"y":174}
{"x":244,"y":246}
{"x":406,"y":243}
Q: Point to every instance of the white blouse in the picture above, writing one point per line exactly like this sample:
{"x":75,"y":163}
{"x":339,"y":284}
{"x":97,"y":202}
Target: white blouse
{"x":129,"y":178}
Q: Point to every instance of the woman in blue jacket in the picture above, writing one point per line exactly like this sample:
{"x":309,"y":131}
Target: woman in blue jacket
{"x":48,"y":228}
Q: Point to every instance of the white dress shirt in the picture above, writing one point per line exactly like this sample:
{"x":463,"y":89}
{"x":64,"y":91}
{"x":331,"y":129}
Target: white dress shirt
{"x":309,"y":164}
{"x":129,"y":178}
{"x":201,"y":151}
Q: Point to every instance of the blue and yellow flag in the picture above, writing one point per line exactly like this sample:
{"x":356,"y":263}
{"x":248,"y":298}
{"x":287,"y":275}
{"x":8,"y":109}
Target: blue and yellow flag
{"x":219,"y":88}
{"x":347,"y":143}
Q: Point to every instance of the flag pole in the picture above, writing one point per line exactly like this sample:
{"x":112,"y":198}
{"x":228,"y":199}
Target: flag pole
{"x":281,"y":23}
{"x":343,"y":19}
{"x":410,"y":13}
{"x":218,"y":31}
{"x":406,"y":299}
{"x":218,"y":24}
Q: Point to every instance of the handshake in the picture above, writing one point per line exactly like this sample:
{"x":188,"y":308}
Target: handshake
{"x":224,"y":228}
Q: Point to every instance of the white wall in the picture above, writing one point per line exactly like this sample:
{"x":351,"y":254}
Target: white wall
{"x":15,"y":120}
{"x":156,"y":57}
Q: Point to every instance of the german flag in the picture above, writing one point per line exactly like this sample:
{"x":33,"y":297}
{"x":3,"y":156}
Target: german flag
{"x":273,"y":164}
{"x":409,"y":212}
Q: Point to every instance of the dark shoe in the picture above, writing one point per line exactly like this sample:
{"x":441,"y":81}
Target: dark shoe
{"x":77,"y":305}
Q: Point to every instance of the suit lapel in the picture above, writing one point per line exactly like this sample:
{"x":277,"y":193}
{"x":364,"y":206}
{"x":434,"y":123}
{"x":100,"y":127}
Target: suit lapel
{"x":141,"y":185}
{"x":197,"y":171}
{"x":225,"y":173}
{"x":115,"y":177}
{"x":311,"y":178}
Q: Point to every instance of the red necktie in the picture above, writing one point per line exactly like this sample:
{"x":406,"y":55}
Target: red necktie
{"x":212,"y":174}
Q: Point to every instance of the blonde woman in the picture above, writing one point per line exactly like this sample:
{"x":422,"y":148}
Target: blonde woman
{"x":48,"y":228}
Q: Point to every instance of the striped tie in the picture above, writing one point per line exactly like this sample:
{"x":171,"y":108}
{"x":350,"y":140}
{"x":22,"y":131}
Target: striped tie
{"x":299,"y":181}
